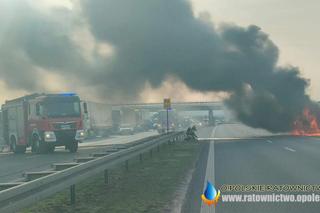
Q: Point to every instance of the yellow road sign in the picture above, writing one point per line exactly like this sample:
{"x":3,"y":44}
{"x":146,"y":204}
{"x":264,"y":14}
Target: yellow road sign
{"x":167,"y":103}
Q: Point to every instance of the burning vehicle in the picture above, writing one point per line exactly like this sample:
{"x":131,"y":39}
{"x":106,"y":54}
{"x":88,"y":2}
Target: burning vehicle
{"x":307,"y":124}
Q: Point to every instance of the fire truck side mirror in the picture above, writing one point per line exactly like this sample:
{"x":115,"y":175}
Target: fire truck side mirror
{"x":37,"y":109}
{"x":85,"y":108}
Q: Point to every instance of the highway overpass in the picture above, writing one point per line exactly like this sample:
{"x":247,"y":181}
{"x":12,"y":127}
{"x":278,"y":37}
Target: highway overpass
{"x":183,"y":106}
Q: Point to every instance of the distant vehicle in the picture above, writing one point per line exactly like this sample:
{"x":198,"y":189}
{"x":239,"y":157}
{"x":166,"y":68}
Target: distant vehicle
{"x":218,"y":122}
{"x":97,"y":118}
{"x":137,"y":120}
{"x":43,"y":121}
{"x":101,"y":119}
{"x":172,"y":121}
{"x":139,"y":128}
{"x":126,"y":130}
{"x":145,"y":125}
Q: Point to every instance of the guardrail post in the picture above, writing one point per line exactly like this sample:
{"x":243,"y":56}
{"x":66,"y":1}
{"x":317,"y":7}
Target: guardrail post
{"x":106,"y":176}
{"x":73,"y":194}
{"x":47,"y":186}
{"x":127,"y":165}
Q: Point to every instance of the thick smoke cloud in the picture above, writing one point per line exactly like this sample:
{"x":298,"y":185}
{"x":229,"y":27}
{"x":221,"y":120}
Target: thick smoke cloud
{"x":162,"y":37}
{"x":154,"y":39}
{"x":30,"y":40}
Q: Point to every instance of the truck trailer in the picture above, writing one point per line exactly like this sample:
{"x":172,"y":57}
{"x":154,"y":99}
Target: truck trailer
{"x":97,"y":118}
{"x":101,"y":119}
{"x":42,"y":122}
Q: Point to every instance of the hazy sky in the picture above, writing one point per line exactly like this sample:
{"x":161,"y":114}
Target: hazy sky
{"x":292,"y":24}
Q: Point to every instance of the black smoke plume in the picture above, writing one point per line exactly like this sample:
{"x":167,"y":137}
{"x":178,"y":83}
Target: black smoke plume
{"x":154,"y":39}
{"x":163,"y":37}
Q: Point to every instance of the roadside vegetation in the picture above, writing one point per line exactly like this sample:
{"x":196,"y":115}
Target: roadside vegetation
{"x":148,"y":186}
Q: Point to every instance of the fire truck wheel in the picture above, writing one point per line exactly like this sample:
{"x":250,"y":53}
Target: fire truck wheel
{"x":73,"y":147}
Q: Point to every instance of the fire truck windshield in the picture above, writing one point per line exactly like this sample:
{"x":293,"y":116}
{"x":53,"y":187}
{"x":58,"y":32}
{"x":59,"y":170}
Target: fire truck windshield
{"x":62,"y":109}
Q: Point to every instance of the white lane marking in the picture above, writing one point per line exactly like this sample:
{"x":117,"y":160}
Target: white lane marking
{"x":227,"y":139}
{"x":269,"y":141}
{"x":289,"y":149}
{"x":209,"y":174}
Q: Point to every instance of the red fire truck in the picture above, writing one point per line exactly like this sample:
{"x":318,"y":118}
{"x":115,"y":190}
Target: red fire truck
{"x":43,"y":121}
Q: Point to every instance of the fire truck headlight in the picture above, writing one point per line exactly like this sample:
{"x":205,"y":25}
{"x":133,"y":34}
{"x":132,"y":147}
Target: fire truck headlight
{"x":49,"y":136}
{"x":80,"y":135}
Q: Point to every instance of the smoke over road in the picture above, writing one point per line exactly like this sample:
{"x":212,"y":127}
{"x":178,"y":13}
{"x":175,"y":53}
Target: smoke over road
{"x":152,"y":40}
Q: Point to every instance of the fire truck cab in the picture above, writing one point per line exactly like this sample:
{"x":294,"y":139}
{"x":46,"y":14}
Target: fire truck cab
{"x":42,"y":122}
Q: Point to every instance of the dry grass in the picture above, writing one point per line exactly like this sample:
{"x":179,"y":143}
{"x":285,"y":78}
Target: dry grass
{"x":147,"y":187}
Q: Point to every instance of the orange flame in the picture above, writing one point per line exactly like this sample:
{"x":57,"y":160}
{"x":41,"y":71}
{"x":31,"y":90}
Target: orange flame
{"x":306,"y":125}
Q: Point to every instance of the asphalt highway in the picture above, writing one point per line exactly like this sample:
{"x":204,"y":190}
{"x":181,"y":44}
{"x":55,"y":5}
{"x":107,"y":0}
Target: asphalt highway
{"x":253,"y":156}
{"x":12,"y":166}
{"x":265,"y":160}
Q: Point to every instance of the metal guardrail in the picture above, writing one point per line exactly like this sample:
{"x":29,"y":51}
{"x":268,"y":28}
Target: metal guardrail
{"x":28,"y":193}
